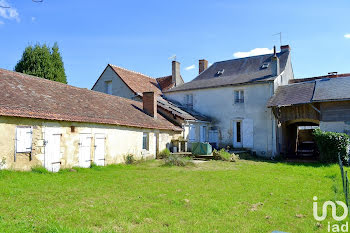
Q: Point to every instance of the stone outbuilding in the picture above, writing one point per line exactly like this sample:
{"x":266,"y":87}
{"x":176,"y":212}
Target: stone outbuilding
{"x":60,"y":126}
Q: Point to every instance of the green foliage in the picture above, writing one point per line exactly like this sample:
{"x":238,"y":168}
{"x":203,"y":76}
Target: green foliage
{"x":225,"y":156}
{"x":129,"y":159}
{"x":40,"y":169}
{"x":164,"y":153}
{"x":42,"y":61}
{"x":177,"y":160}
{"x":331,"y":144}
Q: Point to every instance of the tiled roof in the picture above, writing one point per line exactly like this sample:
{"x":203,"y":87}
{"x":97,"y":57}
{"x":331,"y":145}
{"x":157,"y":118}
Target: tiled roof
{"x":165,"y":83}
{"x":32,"y":97}
{"x":332,"y":89}
{"x":137,"y":82}
{"x":180,"y":111}
{"x":292,"y":94}
{"x":236,"y":71}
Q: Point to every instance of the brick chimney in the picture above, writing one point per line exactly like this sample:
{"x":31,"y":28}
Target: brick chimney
{"x":275,"y":66}
{"x":150,"y":103}
{"x":285,"y":48}
{"x":203,"y":65}
{"x":176,"y":78}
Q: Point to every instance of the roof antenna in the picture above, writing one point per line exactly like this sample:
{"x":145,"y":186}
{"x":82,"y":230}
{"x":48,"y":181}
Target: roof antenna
{"x":280,"y":33}
{"x":173,"y":57}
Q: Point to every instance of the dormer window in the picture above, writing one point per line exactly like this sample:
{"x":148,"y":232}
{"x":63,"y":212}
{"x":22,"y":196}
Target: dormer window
{"x":220,"y":72}
{"x":265,"y":65}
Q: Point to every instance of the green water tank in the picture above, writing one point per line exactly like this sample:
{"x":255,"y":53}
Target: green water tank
{"x":199,"y":148}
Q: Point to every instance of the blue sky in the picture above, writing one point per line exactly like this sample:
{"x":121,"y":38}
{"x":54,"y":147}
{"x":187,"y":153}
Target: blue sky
{"x":142,"y":35}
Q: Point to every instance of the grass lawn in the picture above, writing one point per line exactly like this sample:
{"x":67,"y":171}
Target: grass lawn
{"x":246,"y":196}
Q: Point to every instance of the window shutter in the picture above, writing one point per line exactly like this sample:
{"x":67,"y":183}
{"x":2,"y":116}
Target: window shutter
{"x":23,"y":139}
{"x":248,"y":133}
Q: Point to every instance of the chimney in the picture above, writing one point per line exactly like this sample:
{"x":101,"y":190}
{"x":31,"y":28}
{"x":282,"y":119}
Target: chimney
{"x":176,"y":78}
{"x":275,"y":63}
{"x":285,"y":48}
{"x":203,"y":65}
{"x":150,"y":103}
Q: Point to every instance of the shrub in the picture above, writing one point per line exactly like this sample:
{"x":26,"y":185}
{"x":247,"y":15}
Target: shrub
{"x":177,"y":160}
{"x":39,"y":169}
{"x":129,"y":159}
{"x":331,"y":144}
{"x":164,"y":153}
{"x":225,"y":156}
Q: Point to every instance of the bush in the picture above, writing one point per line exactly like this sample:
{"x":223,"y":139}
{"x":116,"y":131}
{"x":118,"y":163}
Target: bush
{"x":225,"y":156}
{"x":177,"y":160}
{"x":129,"y":159}
{"x":331,"y":144}
{"x":39,"y":169}
{"x":164,"y":153}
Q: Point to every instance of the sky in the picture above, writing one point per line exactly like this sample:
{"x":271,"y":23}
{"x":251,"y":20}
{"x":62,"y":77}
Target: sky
{"x":144,"y":35}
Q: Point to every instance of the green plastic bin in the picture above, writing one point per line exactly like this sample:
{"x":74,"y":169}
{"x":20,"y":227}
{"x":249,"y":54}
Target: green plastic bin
{"x":199,"y":148}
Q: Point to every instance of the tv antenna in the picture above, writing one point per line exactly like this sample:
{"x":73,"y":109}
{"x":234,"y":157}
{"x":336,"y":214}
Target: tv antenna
{"x":173,"y":57}
{"x":280,"y":33}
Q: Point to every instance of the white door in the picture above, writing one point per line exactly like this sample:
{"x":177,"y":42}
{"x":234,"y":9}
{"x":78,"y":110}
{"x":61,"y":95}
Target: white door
{"x":248,"y":133}
{"x":203,"y":133}
{"x":85,"y":150}
{"x":100,"y":149}
{"x":213,"y":136}
{"x":52,"y":157}
{"x":237,"y":134}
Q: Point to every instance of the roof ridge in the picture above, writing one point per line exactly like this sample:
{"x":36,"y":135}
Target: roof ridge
{"x":64,"y":84}
{"x":247,"y":57}
{"x":132,"y":71}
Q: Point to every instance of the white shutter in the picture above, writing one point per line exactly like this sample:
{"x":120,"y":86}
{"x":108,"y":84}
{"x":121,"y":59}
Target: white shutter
{"x":248,"y":134}
{"x":23,"y":139}
{"x":192,"y":134}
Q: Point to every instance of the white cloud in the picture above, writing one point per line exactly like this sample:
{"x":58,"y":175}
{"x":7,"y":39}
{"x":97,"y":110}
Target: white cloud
{"x":8,"y":13}
{"x":253,"y":52}
{"x":33,"y":19}
{"x":190,"y":67}
{"x":347,"y":36}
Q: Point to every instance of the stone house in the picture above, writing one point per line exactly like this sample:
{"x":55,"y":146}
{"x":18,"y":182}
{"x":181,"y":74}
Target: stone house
{"x":234,"y":94}
{"x":60,"y":126}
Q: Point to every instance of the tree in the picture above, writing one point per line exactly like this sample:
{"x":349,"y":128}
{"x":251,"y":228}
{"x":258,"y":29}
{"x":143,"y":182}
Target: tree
{"x":42,"y":61}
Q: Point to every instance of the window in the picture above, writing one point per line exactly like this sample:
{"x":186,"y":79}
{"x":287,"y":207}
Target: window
{"x":109,"y":87}
{"x":192,"y":133}
{"x":189,"y":101}
{"x":239,"y":97}
{"x":23,"y":139}
{"x":145,"y":141}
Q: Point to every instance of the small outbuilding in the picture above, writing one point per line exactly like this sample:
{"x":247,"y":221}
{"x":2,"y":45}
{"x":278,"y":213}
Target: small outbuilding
{"x":60,"y":126}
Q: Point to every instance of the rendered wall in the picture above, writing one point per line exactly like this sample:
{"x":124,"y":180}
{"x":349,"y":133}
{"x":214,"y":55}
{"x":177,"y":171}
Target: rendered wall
{"x":120,"y":141}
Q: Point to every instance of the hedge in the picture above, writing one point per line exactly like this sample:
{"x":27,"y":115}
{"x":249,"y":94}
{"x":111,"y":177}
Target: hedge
{"x":330,"y":144}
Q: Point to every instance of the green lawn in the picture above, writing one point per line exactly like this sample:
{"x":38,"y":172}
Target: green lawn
{"x":247,"y":196}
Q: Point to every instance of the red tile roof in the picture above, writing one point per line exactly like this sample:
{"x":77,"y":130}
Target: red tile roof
{"x":137,"y":82}
{"x":32,"y":97}
{"x":165,"y":83}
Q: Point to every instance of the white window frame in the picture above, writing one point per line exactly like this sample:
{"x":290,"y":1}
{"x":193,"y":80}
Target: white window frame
{"x":189,"y":101}
{"x":24,"y":139}
{"x":145,"y":135}
{"x":192,"y":133}
{"x":239,"y":96}
{"x":109,"y":87}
